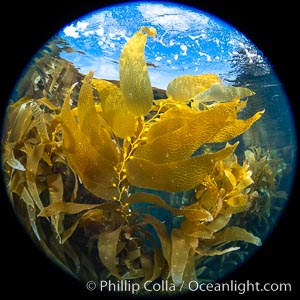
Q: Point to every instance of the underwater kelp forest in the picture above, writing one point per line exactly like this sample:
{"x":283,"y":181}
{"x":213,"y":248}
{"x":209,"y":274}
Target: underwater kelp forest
{"x":119,"y":180}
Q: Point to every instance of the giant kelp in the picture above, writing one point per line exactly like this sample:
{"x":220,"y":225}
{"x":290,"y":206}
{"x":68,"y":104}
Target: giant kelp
{"x":97,"y":170}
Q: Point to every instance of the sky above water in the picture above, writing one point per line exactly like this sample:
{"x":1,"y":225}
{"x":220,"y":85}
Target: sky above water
{"x":188,"y":41}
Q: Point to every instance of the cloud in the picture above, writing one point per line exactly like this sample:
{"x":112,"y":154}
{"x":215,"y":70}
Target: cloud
{"x":107,"y":70}
{"x":74,"y":31}
{"x":208,"y":57}
{"x":184,"y":49}
{"x":160,"y":79}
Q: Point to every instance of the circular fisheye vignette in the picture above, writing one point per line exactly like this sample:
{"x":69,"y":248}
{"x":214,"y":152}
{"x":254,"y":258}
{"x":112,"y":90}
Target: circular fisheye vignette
{"x":140,"y":155}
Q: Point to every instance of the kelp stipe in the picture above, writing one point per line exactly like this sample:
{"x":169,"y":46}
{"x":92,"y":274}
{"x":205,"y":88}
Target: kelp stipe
{"x":90,"y":176}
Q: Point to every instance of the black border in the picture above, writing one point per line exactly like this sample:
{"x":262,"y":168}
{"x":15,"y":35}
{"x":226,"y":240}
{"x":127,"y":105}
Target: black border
{"x":27,"y":25}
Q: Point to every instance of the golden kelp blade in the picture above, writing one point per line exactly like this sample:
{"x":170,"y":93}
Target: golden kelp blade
{"x":185,"y":87}
{"x":205,"y":230}
{"x":223,"y":93}
{"x":66,"y":208}
{"x":219,"y":222}
{"x":184,"y":141}
{"x":92,"y":125}
{"x":152,"y":269}
{"x":181,"y":247}
{"x":231,"y":234}
{"x":165,"y":127}
{"x":169,"y":142}
{"x":162,"y":233}
{"x":38,"y":115}
{"x":95,"y":172}
{"x":19,"y":121}
{"x":195,"y":212}
{"x":115,"y":111}
{"x":134,"y":78}
{"x":176,"y":176}
{"x":107,"y":247}
{"x":235,"y":128}
{"x":180,"y":110}
{"x":215,"y":252}
{"x":56,"y":191}
{"x":196,"y":229}
{"x":189,"y":212}
{"x":8,"y":157}
{"x":34,"y":155}
{"x":190,"y":274}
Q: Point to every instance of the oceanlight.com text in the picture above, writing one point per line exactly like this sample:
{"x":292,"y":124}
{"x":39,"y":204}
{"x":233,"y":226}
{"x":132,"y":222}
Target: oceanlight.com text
{"x":239,"y":287}
{"x":190,"y":286}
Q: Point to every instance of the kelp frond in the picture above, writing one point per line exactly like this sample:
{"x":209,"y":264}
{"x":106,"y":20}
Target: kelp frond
{"x":96,"y":169}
